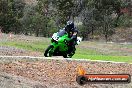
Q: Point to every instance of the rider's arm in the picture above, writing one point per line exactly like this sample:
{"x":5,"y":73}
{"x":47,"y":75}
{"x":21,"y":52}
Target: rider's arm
{"x":74,"y":36}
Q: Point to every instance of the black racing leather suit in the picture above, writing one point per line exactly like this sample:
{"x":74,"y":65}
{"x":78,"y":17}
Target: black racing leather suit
{"x":73,"y":37}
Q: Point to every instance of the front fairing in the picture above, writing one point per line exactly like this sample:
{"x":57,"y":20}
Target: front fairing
{"x":61,"y":43}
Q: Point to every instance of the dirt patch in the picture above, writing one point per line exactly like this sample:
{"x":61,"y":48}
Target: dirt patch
{"x":12,"y":51}
{"x":62,"y":73}
{"x":13,"y":81}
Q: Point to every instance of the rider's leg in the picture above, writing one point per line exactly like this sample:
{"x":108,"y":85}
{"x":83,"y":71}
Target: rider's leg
{"x":72,"y":47}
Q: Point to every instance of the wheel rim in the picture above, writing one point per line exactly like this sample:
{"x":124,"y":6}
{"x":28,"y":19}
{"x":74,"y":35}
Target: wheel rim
{"x":49,"y":52}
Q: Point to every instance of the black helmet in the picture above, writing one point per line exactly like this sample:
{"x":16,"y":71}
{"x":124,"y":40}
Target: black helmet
{"x":69,"y":26}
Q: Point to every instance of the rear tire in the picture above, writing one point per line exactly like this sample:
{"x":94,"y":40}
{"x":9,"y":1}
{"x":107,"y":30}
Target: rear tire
{"x":72,"y":53}
{"x":47,"y":51}
{"x":64,"y":54}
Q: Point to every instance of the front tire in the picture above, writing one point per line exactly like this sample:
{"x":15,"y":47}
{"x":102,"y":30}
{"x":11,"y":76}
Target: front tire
{"x":48,"y":51}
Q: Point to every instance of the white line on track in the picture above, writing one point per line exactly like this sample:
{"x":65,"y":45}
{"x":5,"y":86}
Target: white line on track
{"x":61,"y":58}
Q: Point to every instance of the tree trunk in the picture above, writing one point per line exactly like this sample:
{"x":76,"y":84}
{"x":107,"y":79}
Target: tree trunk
{"x":106,"y":37}
{"x":106,"y":32}
{"x":37,"y":33}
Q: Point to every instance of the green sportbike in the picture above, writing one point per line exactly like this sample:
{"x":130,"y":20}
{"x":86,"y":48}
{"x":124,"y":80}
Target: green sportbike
{"x":60,"y":46}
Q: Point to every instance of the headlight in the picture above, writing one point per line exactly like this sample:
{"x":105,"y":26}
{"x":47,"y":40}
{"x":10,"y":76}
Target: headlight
{"x":55,"y":37}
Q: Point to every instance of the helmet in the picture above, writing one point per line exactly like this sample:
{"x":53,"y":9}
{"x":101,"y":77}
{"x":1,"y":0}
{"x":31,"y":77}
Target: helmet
{"x":69,"y":26}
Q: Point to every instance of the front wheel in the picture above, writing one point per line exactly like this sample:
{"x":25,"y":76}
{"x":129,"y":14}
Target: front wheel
{"x":49,"y":51}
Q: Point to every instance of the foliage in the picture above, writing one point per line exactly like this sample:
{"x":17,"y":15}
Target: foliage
{"x":47,"y":16}
{"x":10,"y":12}
{"x":98,"y":16}
{"x":125,"y":21}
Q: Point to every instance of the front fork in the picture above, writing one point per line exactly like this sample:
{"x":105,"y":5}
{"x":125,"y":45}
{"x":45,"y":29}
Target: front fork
{"x":54,"y":45}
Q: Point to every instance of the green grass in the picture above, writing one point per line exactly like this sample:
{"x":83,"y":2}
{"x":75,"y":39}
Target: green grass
{"x":81,"y":53}
{"x":86,"y":51}
{"x":105,"y":57}
{"x":37,"y":46}
{"x":127,"y":46}
{"x":96,"y":55}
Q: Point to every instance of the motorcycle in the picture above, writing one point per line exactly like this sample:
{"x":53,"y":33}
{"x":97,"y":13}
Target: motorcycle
{"x":60,"y":46}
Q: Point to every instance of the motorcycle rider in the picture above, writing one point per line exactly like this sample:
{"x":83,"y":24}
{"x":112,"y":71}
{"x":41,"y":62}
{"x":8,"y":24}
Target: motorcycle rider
{"x":72,"y":32}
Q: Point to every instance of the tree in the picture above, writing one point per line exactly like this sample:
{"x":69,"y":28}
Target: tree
{"x":10,"y":13}
{"x":98,"y":16}
{"x":90,"y":20}
{"x":38,"y":19}
{"x":46,"y":9}
{"x":32,"y":21}
{"x":105,"y":10}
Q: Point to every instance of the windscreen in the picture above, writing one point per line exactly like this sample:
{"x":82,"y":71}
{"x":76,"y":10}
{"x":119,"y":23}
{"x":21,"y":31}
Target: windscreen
{"x":61,"y":33}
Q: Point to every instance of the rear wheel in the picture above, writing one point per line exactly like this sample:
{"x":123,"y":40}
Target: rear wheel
{"x":71,"y":53}
{"x":49,"y":51}
{"x":64,"y":54}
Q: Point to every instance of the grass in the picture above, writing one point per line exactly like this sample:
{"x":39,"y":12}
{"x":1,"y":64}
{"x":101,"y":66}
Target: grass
{"x":127,"y":59}
{"x":83,"y":53}
{"x":39,"y":46}
{"x":96,"y":55}
{"x":127,"y":46}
